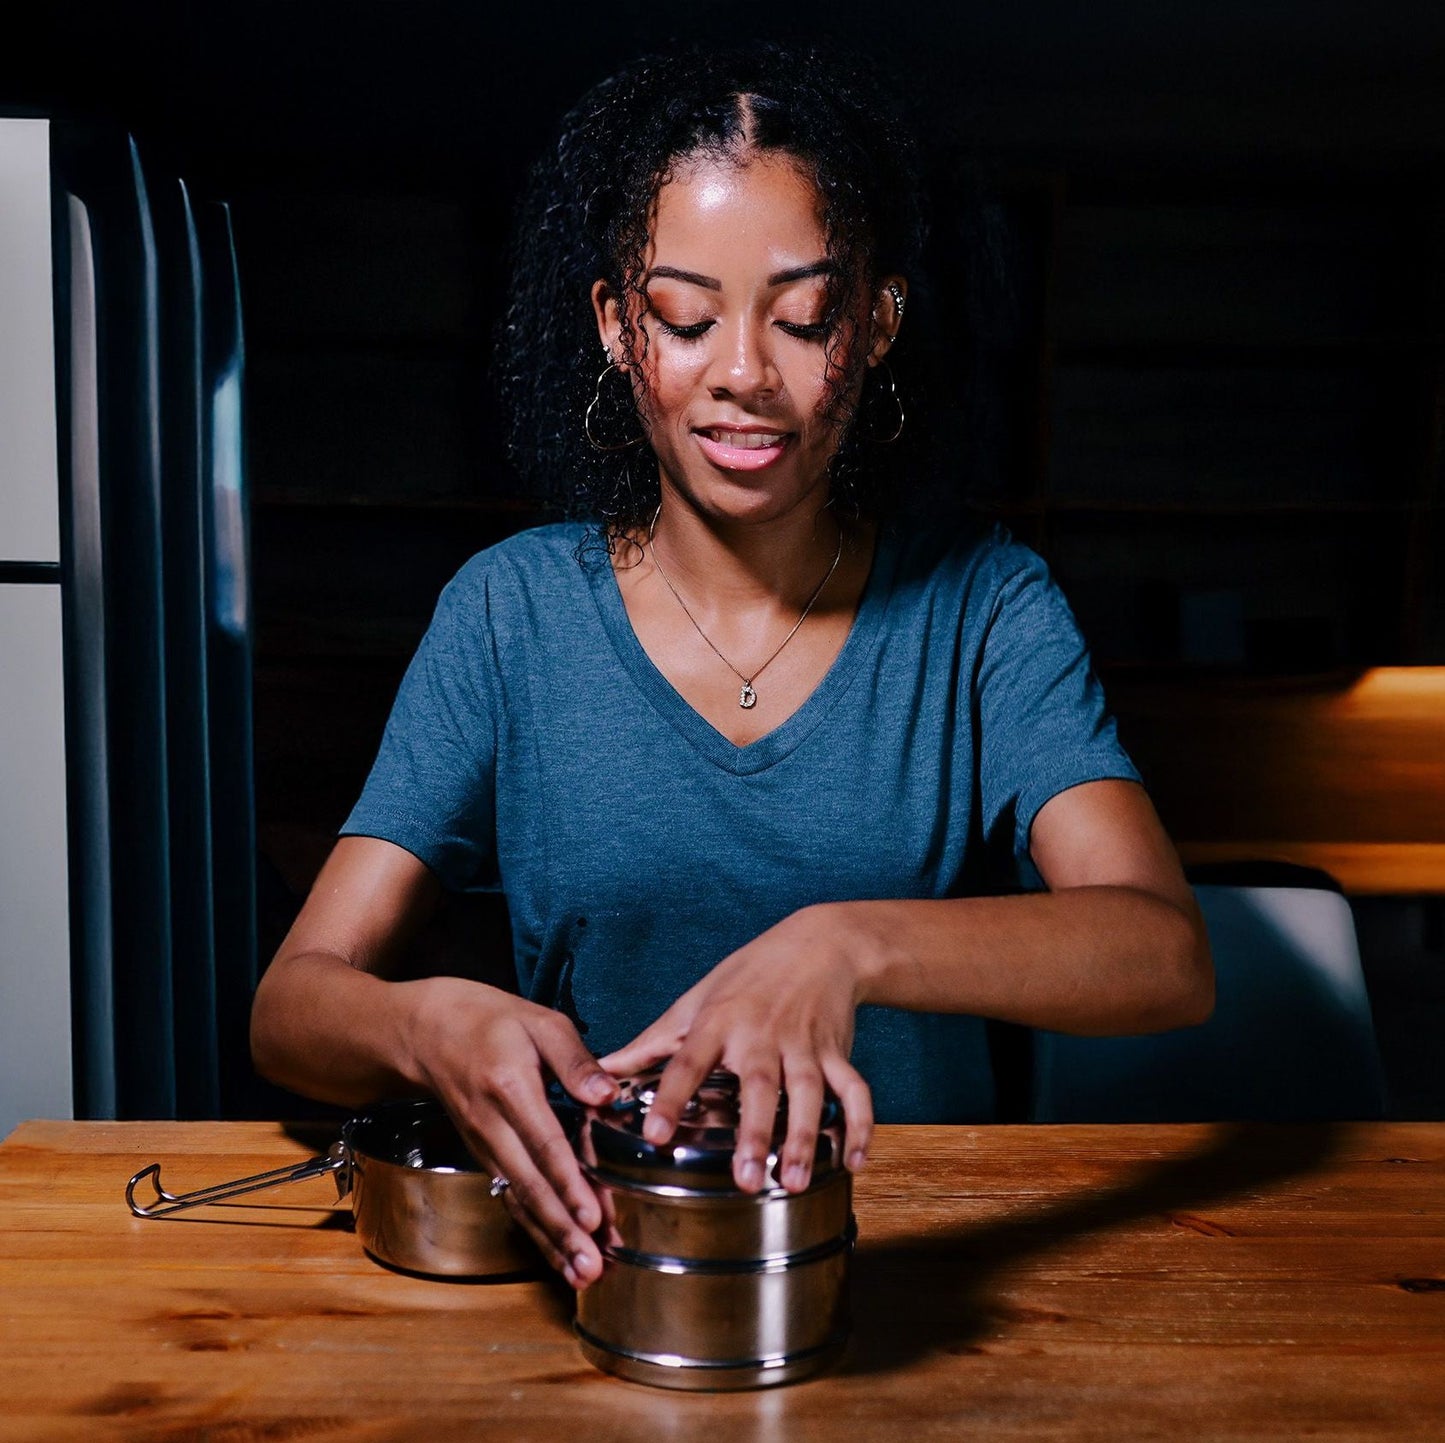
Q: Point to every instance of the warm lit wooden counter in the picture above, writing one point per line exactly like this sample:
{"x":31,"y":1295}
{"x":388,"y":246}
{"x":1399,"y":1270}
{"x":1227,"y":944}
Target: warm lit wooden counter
{"x":1100,"y":1283}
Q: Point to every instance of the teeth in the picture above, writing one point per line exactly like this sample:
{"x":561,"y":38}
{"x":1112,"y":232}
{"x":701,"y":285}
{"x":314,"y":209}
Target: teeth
{"x":748,"y":440}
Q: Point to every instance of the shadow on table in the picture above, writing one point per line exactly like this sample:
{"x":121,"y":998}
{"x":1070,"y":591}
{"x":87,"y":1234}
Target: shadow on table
{"x":941,"y":1281}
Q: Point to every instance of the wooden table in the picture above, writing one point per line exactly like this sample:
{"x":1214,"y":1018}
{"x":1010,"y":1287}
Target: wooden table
{"x":1015,"y":1282}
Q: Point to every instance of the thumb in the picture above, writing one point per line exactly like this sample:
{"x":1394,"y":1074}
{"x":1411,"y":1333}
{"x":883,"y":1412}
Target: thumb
{"x":654,"y":1043}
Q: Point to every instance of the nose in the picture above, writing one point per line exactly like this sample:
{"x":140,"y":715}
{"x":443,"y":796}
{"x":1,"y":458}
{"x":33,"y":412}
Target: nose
{"x":745,"y":365}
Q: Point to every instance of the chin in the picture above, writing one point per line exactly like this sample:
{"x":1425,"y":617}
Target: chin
{"x":747,"y":496}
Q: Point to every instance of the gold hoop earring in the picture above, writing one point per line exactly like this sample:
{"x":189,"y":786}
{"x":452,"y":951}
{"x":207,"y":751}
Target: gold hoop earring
{"x":594,"y":406}
{"x":877,"y":436}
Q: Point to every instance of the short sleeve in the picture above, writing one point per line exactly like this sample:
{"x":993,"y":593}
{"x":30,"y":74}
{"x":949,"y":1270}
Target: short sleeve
{"x":432,"y":788}
{"x":1043,"y":722}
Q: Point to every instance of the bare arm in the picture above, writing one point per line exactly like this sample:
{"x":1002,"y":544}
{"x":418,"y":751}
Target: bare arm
{"x":325,"y":1023}
{"x":328,"y":1023}
{"x":1116,"y":945}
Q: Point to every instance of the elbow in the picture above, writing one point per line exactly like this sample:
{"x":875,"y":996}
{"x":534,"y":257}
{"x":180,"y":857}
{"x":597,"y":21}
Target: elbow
{"x":1180,"y":971}
{"x":1197,"y":997}
{"x":262,"y":1045}
{"x":1192,"y":969}
{"x":267,"y":1036}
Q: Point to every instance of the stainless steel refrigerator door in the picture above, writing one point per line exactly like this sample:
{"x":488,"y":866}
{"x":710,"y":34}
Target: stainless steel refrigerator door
{"x":109,"y":377}
{"x":184,"y":564}
{"x":229,"y":654}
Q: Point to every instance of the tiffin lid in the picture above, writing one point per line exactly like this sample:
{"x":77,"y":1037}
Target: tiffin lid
{"x":699,"y":1155}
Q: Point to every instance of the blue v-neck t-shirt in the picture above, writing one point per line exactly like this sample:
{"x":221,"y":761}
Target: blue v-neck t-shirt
{"x":534,"y":746}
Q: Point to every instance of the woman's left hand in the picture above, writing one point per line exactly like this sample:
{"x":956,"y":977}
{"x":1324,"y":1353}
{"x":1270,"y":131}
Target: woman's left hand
{"x":779,"y":1013}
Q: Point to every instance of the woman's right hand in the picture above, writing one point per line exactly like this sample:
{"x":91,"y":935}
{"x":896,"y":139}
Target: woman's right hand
{"x":485,"y":1053}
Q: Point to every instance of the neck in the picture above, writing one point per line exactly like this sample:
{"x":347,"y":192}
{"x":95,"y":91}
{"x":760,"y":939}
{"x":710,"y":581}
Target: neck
{"x":725,"y":563}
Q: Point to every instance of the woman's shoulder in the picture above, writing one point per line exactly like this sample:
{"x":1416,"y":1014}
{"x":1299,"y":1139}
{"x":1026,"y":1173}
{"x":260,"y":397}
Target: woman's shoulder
{"x":513,"y":585}
{"x":541,"y":558}
{"x":972,"y":553}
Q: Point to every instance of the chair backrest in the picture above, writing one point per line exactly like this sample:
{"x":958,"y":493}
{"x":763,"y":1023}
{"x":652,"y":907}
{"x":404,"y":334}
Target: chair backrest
{"x":1291,"y":1038}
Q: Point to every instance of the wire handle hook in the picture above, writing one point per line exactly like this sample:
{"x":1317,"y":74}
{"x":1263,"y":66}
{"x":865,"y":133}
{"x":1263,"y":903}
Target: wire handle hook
{"x":336,"y":1162}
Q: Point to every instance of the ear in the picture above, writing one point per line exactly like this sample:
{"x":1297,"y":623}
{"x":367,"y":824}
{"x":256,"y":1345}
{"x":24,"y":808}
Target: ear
{"x":888,"y":300}
{"x":609,"y":318}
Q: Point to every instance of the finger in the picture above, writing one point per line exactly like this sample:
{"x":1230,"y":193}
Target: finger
{"x":652,"y":1045}
{"x":541,"y":1211}
{"x":757,"y":1116}
{"x":525,"y":1109}
{"x":559,"y":1046}
{"x":487,"y":1145}
{"x":557,"y":1260}
{"x":680,"y":1079}
{"x":552,"y":1255}
{"x":853,"y":1093}
{"x":656,"y":1042}
{"x":804,"y":1082}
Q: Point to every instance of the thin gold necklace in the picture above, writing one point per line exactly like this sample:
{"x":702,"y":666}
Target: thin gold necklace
{"x":747,"y":697}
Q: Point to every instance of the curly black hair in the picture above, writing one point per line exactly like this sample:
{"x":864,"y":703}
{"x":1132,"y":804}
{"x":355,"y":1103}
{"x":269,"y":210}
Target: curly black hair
{"x":585,"y":217}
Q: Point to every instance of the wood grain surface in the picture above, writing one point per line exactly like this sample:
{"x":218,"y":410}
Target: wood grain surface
{"x":1343,"y":772}
{"x":1096,"y":1283}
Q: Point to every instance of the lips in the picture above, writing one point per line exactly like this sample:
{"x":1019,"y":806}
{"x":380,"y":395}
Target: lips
{"x":741,"y":449}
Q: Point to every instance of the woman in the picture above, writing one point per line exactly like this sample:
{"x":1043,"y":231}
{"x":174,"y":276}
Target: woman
{"x":742,"y":769}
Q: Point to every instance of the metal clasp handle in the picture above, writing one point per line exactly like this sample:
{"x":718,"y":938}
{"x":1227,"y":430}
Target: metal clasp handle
{"x":334,"y":1161}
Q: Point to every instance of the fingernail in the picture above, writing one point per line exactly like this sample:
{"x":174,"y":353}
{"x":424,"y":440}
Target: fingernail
{"x":796,"y":1175}
{"x":655,"y":1129}
{"x":752,"y":1172}
{"x":600,"y":1087}
{"x":582,"y":1265}
{"x":856,"y":1159}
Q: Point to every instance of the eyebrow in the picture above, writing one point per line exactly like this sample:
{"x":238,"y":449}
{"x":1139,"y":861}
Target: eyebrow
{"x":711,"y":283}
{"x":802,"y":273}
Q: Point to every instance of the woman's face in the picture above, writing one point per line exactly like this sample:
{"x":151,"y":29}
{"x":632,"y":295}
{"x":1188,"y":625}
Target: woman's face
{"x":736,"y":350}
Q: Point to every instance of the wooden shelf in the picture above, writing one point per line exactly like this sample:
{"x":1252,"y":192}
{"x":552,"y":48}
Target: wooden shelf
{"x":1343,"y":772}
{"x":1363,"y":869}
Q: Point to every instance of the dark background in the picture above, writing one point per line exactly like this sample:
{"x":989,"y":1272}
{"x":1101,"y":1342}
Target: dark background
{"x":1218,"y":378}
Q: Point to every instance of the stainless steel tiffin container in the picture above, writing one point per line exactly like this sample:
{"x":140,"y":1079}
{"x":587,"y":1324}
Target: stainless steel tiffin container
{"x":420,"y":1200}
{"x":704,"y":1286}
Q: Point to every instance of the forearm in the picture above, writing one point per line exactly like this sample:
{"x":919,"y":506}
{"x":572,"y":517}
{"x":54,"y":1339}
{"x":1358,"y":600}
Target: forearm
{"x":330,"y":1031}
{"x":1093,"y":959}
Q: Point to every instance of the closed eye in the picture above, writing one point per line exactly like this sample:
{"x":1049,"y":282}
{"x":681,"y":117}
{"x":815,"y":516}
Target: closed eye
{"x":817,"y":331}
{"x":684,"y":333}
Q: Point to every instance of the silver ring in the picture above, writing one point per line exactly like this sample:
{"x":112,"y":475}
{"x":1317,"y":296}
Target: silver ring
{"x":499,"y":1185}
